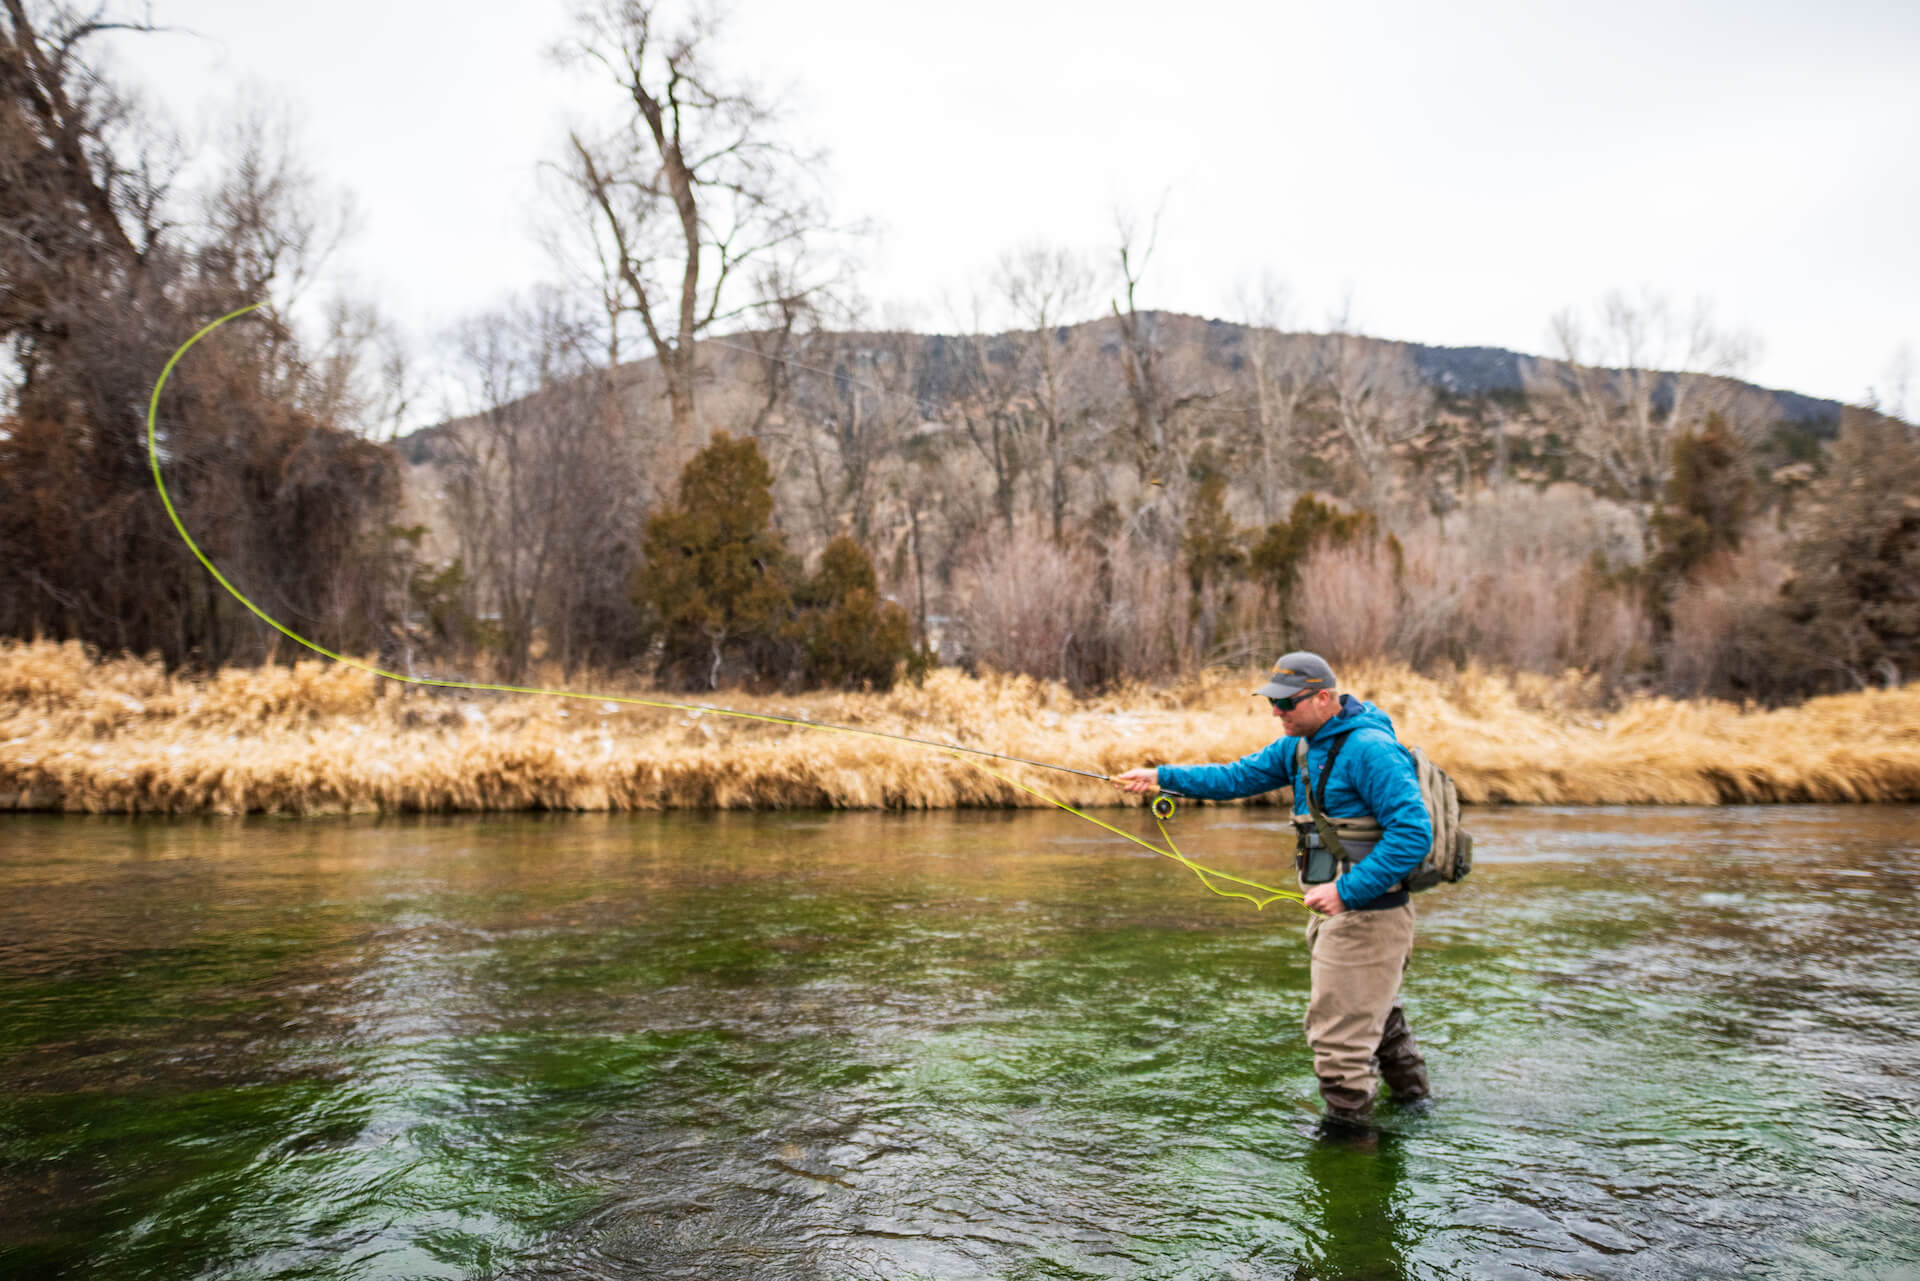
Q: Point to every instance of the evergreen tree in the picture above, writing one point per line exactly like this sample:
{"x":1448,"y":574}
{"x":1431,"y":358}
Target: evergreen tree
{"x":1283,"y":549}
{"x":852,"y":637}
{"x":714,"y":585}
{"x":1709,"y":493}
{"x":1855,"y":594}
{"x":1210,"y":542}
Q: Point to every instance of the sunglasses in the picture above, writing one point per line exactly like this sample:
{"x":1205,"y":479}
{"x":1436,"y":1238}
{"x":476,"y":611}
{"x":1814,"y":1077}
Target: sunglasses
{"x":1293,"y":701}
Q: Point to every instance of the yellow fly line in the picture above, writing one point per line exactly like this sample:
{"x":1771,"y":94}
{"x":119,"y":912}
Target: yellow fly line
{"x":1253,"y":891}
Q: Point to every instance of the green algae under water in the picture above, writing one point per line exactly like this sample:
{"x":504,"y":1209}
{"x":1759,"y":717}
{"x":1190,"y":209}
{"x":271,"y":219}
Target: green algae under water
{"x":1665,"y":1043}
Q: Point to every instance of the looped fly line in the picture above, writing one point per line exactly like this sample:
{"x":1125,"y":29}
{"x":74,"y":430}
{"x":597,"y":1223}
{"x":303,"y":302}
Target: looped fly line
{"x":1253,"y":891}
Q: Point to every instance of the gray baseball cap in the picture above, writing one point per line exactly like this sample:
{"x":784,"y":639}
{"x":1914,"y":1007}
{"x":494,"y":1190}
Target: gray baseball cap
{"x":1297,"y":673}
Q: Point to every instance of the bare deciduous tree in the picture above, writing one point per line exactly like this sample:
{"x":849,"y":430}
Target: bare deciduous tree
{"x":1283,"y":377}
{"x":541,"y":490}
{"x":1139,"y":353}
{"x":1045,"y":286}
{"x":793,"y":310}
{"x":992,"y":413}
{"x":1636,"y":379}
{"x":1377,"y":396}
{"x":1159,"y":422}
{"x":83,"y":173}
{"x":362,"y":375}
{"x":852,"y":402}
{"x":1891,"y":398}
{"x":102,"y":280}
{"x":688,"y":198}
{"x":272,"y":227}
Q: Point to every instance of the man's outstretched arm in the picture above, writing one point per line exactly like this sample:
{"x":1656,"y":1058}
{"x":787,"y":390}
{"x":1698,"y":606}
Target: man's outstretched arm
{"x":1252,"y":774}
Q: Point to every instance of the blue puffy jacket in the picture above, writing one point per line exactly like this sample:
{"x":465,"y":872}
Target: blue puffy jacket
{"x":1372,"y":777}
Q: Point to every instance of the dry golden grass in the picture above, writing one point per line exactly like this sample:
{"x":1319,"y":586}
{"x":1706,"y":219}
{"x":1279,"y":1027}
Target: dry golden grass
{"x":121,"y":736}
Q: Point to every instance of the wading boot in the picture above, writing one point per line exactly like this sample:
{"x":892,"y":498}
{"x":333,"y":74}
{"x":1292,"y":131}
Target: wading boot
{"x":1349,"y":1128}
{"x":1349,"y":1111}
{"x":1401,"y":1065}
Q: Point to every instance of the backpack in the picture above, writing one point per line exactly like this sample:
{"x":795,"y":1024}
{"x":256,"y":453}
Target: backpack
{"x":1449,"y":858}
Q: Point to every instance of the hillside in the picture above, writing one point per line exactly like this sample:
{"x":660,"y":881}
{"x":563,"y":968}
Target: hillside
{"x":869,"y":432}
{"x":1210,"y":357}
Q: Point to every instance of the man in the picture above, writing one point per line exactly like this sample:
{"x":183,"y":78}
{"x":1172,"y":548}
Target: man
{"x":1361,"y":936}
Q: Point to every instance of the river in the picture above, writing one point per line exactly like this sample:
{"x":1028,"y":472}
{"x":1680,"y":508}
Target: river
{"x":1664,"y":1042}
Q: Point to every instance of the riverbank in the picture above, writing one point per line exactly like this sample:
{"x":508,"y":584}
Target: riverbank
{"x":122,"y":736}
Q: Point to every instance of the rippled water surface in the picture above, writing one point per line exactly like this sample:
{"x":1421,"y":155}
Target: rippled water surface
{"x":1665,"y":1042}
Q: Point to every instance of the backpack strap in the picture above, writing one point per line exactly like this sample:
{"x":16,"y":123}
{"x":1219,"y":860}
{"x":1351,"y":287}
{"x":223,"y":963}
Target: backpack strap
{"x":1317,"y":805}
{"x":1326,"y":772}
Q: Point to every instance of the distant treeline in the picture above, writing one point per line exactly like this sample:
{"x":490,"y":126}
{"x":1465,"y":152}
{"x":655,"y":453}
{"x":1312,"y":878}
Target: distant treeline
{"x":1732,"y":598}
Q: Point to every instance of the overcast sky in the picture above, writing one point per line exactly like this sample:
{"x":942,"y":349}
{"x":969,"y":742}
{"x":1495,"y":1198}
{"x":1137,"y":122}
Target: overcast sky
{"x":1460,"y":171}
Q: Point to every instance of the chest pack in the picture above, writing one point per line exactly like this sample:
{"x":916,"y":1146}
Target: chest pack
{"x":1449,"y":858}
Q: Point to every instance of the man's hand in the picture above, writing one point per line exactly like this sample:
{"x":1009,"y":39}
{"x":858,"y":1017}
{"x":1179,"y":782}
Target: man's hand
{"x":1326,"y":900}
{"x":1137,"y":781}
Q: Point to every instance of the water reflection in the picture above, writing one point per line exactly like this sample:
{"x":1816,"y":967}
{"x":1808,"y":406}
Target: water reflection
{"x":1354,"y":1195}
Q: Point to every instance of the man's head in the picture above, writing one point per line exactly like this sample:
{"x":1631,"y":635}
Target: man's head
{"x":1302,"y":692}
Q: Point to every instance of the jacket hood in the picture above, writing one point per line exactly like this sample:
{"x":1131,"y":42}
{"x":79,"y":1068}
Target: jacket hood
{"x":1354,"y":714}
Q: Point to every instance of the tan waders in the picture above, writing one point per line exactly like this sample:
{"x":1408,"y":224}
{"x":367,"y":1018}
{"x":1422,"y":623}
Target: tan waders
{"x":1354,"y":1019}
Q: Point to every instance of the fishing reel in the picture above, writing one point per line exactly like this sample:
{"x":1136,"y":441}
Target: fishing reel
{"x":1162,"y":807}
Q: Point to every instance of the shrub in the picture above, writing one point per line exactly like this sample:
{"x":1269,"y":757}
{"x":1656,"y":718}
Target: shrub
{"x":852,"y":637}
{"x":1519,"y":578}
{"x":1614,"y":636}
{"x":1215,"y":564}
{"x":1090,"y":617}
{"x":1725,"y":639}
{"x":1277,"y":559}
{"x":1137,"y":630}
{"x":1347,"y":598}
{"x":1030,"y":602}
